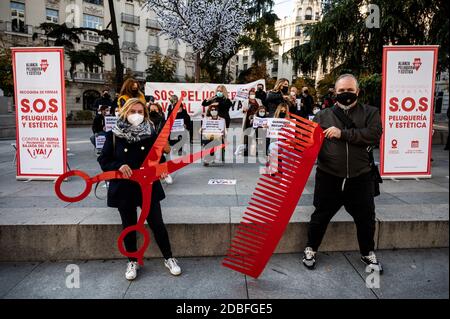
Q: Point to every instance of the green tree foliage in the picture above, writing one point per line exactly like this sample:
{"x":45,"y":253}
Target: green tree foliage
{"x":344,"y":42}
{"x":161,"y":70}
{"x":6,"y":75}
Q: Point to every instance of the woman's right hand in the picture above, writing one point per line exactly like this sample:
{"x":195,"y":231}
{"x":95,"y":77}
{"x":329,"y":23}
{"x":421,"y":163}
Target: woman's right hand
{"x":126,"y":171}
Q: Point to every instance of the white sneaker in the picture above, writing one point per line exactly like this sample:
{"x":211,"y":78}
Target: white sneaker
{"x":174,"y":269}
{"x":169,"y":180}
{"x":132,"y":267}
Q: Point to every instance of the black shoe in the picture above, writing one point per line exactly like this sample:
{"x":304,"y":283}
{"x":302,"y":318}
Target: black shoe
{"x":309,"y":258}
{"x":372,"y":261}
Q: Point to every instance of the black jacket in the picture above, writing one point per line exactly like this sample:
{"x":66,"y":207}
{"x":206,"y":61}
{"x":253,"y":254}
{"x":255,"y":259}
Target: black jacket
{"x":348,"y":157}
{"x":262,"y":96}
{"x":102,"y":101}
{"x":224,"y":106}
{"x":122,"y":192}
{"x":307,"y":107}
{"x":99,"y":124}
{"x":273,"y":99}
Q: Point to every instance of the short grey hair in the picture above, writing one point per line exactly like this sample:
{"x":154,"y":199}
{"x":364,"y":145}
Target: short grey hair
{"x":347,"y":75}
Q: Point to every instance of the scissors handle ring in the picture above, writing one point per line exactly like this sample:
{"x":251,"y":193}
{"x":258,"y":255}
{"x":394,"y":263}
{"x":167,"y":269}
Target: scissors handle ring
{"x":62,"y":177}
{"x":139,"y":254}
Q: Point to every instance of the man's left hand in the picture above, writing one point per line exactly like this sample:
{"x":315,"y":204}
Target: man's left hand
{"x":332,"y":132}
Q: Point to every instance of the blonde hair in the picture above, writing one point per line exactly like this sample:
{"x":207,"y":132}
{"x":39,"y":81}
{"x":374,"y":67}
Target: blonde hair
{"x":224,"y":90}
{"x":278,"y":111}
{"x":125,"y":109}
{"x":279,"y":84}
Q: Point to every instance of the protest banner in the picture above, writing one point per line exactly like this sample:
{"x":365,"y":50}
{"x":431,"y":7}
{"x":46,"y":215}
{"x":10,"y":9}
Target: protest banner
{"x":195,"y":93}
{"x":40,"y":112}
{"x":100,"y":141}
{"x":274,"y":127}
{"x":407,"y":110}
{"x":216,"y":127}
{"x":110,"y":122}
{"x":178,"y":126}
{"x":259,"y":122}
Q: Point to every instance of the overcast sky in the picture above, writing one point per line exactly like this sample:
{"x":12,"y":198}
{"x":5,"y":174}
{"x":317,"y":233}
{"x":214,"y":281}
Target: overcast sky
{"x":283,"y":7}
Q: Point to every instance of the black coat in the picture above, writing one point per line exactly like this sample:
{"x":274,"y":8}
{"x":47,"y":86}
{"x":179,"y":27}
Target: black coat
{"x":223,"y":109}
{"x":273,"y":99}
{"x":99,"y":124}
{"x":122,"y":192}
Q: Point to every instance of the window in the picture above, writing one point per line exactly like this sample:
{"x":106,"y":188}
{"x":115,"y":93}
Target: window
{"x":99,"y":2}
{"x":173,"y":45}
{"x":130,"y":63}
{"x":51,"y":15}
{"x":245,"y":67}
{"x":18,"y":16}
{"x":296,"y":43}
{"x":298,"y":30}
{"x":93,"y":22}
{"x":129,"y":36}
{"x":153,"y":40}
{"x":308,"y":14}
{"x":129,"y":8}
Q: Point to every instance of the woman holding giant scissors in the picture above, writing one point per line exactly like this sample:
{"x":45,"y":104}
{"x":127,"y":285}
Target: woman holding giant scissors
{"x":125,"y":149}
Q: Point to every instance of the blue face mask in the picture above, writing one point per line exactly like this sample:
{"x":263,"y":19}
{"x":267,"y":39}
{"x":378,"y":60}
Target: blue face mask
{"x":219,"y":94}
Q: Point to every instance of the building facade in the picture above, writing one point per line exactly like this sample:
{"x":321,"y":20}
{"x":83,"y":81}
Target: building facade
{"x":290,"y":32}
{"x":139,"y":38}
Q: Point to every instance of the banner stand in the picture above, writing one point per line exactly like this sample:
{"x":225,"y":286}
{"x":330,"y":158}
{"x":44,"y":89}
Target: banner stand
{"x":39,"y":95}
{"x":407,"y":109}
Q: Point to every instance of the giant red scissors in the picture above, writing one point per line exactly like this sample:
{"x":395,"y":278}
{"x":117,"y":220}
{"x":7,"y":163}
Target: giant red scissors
{"x":150,"y":171}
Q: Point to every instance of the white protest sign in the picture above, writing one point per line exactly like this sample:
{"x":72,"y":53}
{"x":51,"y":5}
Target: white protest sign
{"x":178,"y":126}
{"x":218,"y":181}
{"x":259,"y":122}
{"x":275,"y":126}
{"x":40,"y":112}
{"x":407,"y":108}
{"x":194,"y":93}
{"x":100,"y":141}
{"x":110,"y":122}
{"x":213,"y":126}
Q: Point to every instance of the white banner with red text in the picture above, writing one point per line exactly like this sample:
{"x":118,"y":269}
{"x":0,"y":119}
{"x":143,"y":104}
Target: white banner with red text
{"x":194,"y":93}
{"x":407,"y":111}
{"x":40,"y":112}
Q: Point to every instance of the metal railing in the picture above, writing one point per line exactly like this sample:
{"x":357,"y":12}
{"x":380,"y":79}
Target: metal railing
{"x":152,"y":24}
{"x":130,"y":19}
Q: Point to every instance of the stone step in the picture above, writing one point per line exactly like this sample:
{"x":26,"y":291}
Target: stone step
{"x":91,"y":233}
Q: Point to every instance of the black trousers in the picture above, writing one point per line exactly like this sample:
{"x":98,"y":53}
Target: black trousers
{"x":356,"y":194}
{"x":154,"y":220}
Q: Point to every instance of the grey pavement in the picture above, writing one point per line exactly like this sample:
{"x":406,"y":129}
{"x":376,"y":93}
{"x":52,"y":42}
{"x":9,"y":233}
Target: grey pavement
{"x":416,"y":273}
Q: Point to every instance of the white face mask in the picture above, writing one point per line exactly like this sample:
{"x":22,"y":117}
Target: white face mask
{"x":135,"y":119}
{"x":117,"y":114}
{"x":262,"y":113}
{"x":293,"y":94}
{"x":214,"y":113}
{"x":252,"y":96}
{"x":315,"y":111}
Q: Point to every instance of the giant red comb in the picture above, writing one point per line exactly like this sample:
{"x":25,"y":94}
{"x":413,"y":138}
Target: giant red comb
{"x":275,"y":198}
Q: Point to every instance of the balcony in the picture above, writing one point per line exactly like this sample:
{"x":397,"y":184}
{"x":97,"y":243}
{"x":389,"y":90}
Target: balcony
{"x":298,"y":33}
{"x":152,"y":24}
{"x":308,"y":17}
{"x":172,"y":52}
{"x":190,"y":56}
{"x":94,"y":38}
{"x":152,"y":49}
{"x":17,"y":29}
{"x":130,"y":46}
{"x":85,"y":76}
{"x":130,"y":19}
{"x":97,"y":2}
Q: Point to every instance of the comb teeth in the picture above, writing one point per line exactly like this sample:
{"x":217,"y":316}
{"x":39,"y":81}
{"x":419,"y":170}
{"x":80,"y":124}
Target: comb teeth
{"x":275,"y":198}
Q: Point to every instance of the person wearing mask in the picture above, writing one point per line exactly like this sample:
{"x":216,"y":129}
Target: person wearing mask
{"x":125,"y":149}
{"x":113,"y":111}
{"x":260,"y":93}
{"x":329,"y":99}
{"x":278,"y":95}
{"x":175,"y":138}
{"x":130,"y":89}
{"x":224,"y":103}
{"x":294,"y":101}
{"x":344,"y":175}
{"x":209,"y":139}
{"x":261,"y":131}
{"x":307,"y":103}
{"x":189,"y":125}
{"x":105,"y":99}
{"x":249,"y":112}
{"x":98,"y":125}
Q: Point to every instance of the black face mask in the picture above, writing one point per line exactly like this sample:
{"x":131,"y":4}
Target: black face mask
{"x":306,"y":92}
{"x":260,"y":89}
{"x":346,"y":98}
{"x":285,"y":89}
{"x":106,"y":96}
{"x":282,"y":115}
